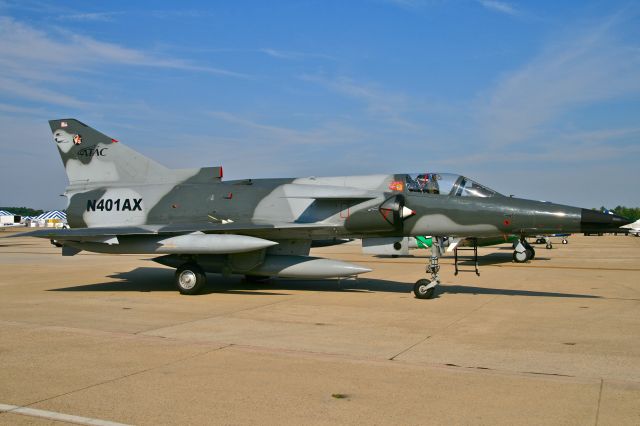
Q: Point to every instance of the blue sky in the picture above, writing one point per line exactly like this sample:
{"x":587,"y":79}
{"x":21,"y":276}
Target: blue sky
{"x":539,"y":99}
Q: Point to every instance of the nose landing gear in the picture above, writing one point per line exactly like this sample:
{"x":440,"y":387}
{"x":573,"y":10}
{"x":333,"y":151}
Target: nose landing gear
{"x":523,"y":251}
{"x":425,"y":288}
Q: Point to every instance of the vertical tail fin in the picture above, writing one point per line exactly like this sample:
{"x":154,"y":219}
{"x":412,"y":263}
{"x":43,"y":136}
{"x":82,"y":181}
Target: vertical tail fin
{"x":92,"y":157}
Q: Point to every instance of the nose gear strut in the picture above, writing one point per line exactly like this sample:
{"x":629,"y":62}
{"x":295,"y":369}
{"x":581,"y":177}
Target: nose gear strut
{"x":425,"y":288}
{"x":523,"y":251}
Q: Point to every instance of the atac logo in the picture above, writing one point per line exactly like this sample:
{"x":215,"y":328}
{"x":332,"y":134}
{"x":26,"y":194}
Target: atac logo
{"x":92,"y":151}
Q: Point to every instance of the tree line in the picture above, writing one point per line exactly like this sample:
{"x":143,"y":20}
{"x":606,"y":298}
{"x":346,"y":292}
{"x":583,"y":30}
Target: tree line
{"x":632,"y":213}
{"x":22,"y":211}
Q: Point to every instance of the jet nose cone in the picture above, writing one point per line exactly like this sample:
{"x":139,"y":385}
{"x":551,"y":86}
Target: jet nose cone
{"x":595,"y":220}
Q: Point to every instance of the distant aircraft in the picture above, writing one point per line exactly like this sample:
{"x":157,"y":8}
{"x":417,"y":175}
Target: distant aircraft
{"x":123,"y":202}
{"x":546,"y":239}
{"x":633,"y":228}
{"x":456,"y":244}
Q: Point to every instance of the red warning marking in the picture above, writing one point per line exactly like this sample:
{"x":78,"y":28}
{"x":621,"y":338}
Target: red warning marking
{"x":396,"y":185}
{"x":507,"y":222}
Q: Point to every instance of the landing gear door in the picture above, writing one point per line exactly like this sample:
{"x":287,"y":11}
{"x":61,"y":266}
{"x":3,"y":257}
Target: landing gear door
{"x":387,"y":246}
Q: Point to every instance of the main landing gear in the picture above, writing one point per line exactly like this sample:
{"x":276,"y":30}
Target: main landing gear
{"x":190,"y":278}
{"x":523,"y":251}
{"x":425,"y":288}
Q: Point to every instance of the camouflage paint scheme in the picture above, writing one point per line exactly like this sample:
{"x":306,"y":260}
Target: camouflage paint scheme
{"x":123,"y":202}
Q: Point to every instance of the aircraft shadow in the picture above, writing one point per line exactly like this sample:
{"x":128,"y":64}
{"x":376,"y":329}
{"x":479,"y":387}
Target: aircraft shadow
{"x":534,"y":245}
{"x":463,"y":289}
{"x":497,"y":258}
{"x":149,"y":279}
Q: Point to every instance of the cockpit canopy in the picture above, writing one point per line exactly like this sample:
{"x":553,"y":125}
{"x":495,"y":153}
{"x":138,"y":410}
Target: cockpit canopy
{"x":447,"y":184}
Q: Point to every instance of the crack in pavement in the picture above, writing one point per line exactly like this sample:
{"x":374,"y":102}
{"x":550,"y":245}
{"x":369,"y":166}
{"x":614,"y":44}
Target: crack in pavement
{"x":599,"y":400}
{"x":104,"y":382}
{"x":321,"y":355}
{"x":408,"y":348}
{"x":143,"y":332}
{"x":442,"y":329}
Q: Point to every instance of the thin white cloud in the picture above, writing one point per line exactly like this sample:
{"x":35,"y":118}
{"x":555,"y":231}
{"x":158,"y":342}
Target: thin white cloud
{"x":407,"y":4}
{"x":30,"y":58}
{"x":382,"y":104}
{"x":89,"y":16}
{"x":181,"y":14}
{"x":499,"y":6}
{"x":41,"y":94}
{"x":288,"y":54}
{"x":583,"y":69}
{"x":330,"y":133}
{"x":27,"y":53}
{"x":602,"y":135}
{"x":116,"y":54}
{"x":560,"y":154}
{"x":13,"y":109}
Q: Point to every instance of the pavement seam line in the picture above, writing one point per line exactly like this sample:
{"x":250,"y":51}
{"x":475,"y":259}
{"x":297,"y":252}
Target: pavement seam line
{"x":445,"y":327}
{"x":126,"y":376}
{"x":318,"y":353}
{"x":143,"y":332}
{"x":409,"y":348}
{"x":599,"y":400}
{"x":466,"y":315}
{"x":53,"y":415}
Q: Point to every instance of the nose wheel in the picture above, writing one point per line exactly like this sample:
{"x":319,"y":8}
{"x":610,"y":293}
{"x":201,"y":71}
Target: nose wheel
{"x":425,"y":288}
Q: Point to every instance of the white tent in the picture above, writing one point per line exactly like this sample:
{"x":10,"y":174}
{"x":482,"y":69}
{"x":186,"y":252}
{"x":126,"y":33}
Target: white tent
{"x":7,"y":218}
{"x":54,"y":218}
{"x":54,"y":214}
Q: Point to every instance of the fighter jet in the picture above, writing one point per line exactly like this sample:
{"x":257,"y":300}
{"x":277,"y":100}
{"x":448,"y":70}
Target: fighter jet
{"x":633,"y":228}
{"x":123,"y":202}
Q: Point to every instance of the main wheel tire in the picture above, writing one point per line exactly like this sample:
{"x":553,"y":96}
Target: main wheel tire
{"x":190,"y":279}
{"x":421,"y":291}
{"x":520,"y":257}
{"x":531,"y":253}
